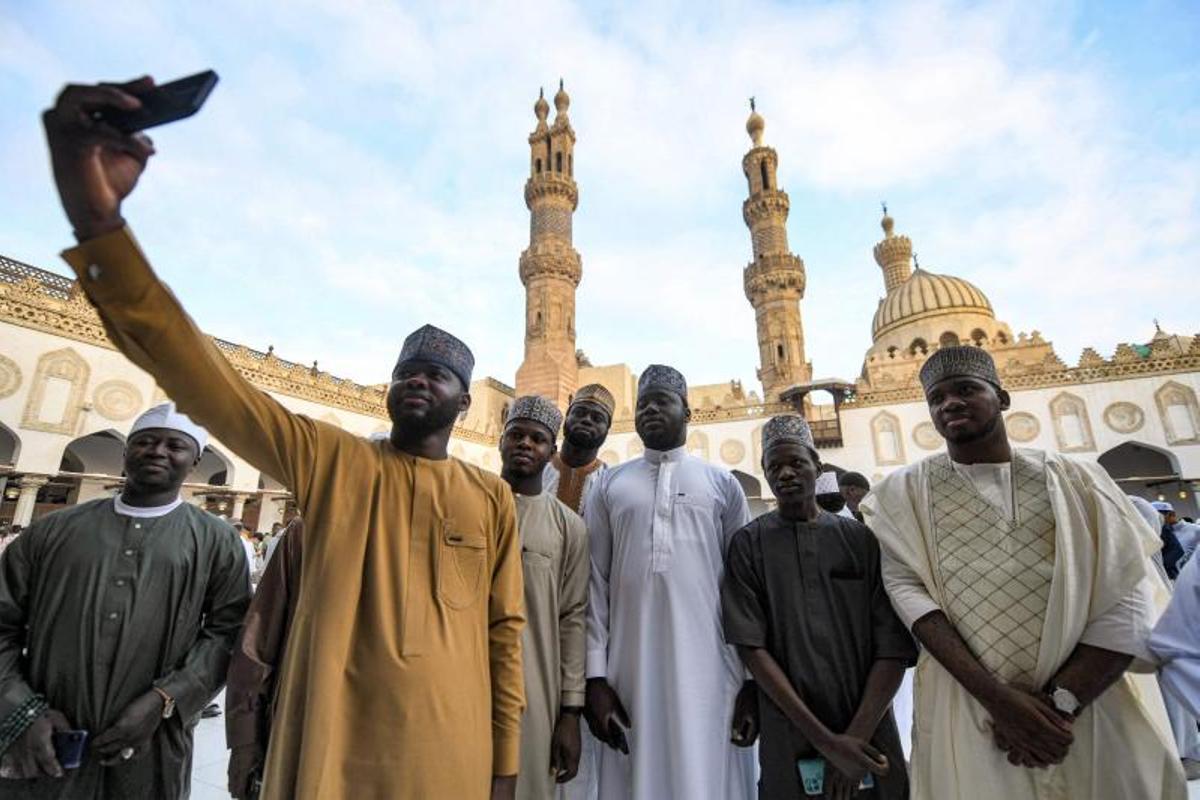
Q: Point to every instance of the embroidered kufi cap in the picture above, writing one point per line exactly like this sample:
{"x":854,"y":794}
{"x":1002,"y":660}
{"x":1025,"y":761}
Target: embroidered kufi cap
{"x":827,"y":483}
{"x":660,"y":377}
{"x":787,"y":428}
{"x":957,"y":362}
{"x":538,"y":409}
{"x":436,"y":346}
{"x":595,"y":393}
{"x":165,"y":416}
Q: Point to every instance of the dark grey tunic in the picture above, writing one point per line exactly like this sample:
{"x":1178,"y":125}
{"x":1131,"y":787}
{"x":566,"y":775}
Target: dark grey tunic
{"x":811,"y":594}
{"x":109,"y":605}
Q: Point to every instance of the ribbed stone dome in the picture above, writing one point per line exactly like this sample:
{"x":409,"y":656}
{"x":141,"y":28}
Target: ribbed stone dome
{"x":925,"y":294}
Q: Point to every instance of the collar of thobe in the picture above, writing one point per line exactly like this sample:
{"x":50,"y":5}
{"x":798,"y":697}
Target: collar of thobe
{"x":662,"y":523}
{"x":675,"y":454}
{"x":127,"y":510}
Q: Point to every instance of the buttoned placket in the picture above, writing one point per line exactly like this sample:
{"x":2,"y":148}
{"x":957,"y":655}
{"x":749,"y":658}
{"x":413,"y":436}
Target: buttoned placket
{"x":805,"y":536}
{"x":119,"y":589}
{"x":661,"y":526}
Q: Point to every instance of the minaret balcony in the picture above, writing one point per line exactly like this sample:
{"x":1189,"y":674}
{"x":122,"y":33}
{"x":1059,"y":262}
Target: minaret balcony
{"x":551,"y":184}
{"x":771,"y":205}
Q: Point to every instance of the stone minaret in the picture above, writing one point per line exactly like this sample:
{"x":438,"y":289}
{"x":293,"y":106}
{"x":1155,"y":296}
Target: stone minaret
{"x":893,"y":254}
{"x":550,"y":267}
{"x":774,"y":281}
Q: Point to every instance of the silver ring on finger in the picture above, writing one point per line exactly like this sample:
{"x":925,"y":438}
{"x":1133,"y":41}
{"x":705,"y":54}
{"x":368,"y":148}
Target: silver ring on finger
{"x":127,"y":754}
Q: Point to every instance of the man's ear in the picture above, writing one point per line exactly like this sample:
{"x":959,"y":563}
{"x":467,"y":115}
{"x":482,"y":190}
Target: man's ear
{"x":464,"y":403}
{"x":1005,"y":399}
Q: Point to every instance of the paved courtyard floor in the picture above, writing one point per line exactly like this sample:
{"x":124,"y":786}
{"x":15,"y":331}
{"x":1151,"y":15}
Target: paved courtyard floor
{"x":211,"y":757}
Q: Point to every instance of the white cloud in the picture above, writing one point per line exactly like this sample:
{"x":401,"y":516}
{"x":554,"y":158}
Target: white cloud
{"x":359,"y":170}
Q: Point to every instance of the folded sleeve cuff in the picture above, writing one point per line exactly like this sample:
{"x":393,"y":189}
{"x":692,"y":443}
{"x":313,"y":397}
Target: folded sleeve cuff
{"x":506,"y":753}
{"x":597,"y":664}
{"x":572,"y":699}
{"x":111,"y":268}
{"x":189,"y":696}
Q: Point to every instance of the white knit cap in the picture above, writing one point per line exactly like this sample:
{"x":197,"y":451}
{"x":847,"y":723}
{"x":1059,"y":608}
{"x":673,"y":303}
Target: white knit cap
{"x":827,"y":483}
{"x":165,"y":416}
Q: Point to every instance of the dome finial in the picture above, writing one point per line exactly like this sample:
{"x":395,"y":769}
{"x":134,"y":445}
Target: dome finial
{"x":755,"y":124}
{"x":541,"y":108}
{"x":887,"y":223}
{"x":916,"y":261}
{"x":562,"y":100}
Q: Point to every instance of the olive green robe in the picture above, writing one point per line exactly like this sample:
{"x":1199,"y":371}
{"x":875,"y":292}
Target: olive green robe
{"x":108,"y":606}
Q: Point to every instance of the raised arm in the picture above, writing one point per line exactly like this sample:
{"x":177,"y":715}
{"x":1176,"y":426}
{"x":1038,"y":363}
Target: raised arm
{"x":95,"y":168}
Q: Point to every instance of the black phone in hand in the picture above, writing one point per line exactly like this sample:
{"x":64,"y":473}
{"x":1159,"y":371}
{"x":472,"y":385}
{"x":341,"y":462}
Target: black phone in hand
{"x":162,"y":104}
{"x":68,"y":747}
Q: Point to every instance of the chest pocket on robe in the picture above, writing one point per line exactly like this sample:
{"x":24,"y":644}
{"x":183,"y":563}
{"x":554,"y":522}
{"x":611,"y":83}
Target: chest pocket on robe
{"x":461,"y":565}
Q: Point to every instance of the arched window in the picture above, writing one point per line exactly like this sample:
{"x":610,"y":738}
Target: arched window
{"x":978,"y":337}
{"x":1072,"y":428}
{"x":558,"y":162}
{"x":1001,"y":338}
{"x":892,"y":351}
{"x":766,"y":179}
{"x":948,"y":339}
{"x":1179,"y":412}
{"x":571,"y":165}
{"x":538,"y":166}
{"x":918,"y":347}
{"x":779,"y":351}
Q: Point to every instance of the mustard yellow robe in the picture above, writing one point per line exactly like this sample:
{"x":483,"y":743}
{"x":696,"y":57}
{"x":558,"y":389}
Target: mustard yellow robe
{"x":402,"y":677}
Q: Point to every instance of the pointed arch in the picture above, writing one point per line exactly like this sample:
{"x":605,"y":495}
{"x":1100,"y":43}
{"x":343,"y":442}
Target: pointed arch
{"x":10,"y":445}
{"x":56,"y":397}
{"x":887,"y":439}
{"x":1072,"y":428}
{"x":1177,"y":408}
{"x":215,"y":468}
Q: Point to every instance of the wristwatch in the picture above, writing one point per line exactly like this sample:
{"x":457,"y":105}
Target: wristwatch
{"x":168,"y":703}
{"x":1065,"y":700}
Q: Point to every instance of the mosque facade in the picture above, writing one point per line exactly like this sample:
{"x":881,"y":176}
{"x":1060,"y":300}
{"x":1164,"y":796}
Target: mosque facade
{"x":67,"y":397}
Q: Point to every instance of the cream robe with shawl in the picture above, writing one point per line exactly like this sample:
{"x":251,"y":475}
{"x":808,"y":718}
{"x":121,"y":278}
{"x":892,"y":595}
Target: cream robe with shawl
{"x":1122,"y":747}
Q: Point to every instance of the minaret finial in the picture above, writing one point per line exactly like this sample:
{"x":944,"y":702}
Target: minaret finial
{"x":916,"y":262}
{"x":884,"y":204}
{"x":1157,"y":327}
{"x":752,"y":103}
{"x":755,"y":124}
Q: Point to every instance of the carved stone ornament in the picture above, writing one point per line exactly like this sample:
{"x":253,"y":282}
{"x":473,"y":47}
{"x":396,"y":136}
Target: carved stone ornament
{"x":1124,"y":417}
{"x":732,"y":451}
{"x":926,"y":436}
{"x":1022,"y":426}
{"x":10,"y":376}
{"x":117,"y":400}
{"x":64,"y":366}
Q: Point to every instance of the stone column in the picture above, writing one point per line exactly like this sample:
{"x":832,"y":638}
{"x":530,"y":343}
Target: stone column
{"x":271,"y":508}
{"x":28,"y":498}
{"x":239,"y":505}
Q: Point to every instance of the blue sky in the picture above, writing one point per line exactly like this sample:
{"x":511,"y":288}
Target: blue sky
{"x":359,"y":169}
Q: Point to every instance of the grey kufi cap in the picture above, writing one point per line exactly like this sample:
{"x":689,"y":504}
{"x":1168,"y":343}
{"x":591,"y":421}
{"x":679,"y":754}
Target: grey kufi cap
{"x":165,"y":416}
{"x":660,"y":377}
{"x":434,"y":345}
{"x":958,"y":362}
{"x":787,"y":429}
{"x":538,"y":409}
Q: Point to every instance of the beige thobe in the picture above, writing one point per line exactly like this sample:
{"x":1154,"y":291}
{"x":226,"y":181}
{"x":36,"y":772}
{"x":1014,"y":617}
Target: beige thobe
{"x":554,"y":552}
{"x":1122,"y":745}
{"x":403,"y":674}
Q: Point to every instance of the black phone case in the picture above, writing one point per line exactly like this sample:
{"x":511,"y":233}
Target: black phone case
{"x":162,"y":104}
{"x":68,"y":747}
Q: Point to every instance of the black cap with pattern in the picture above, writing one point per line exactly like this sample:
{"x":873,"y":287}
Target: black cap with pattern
{"x":787,"y":429}
{"x":660,"y":377}
{"x":434,"y":345}
{"x":538,"y":409}
{"x":957,"y":362}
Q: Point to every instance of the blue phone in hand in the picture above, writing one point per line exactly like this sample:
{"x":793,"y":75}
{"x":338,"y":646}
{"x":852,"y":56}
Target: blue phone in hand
{"x":812,"y":777}
{"x":68,"y":748}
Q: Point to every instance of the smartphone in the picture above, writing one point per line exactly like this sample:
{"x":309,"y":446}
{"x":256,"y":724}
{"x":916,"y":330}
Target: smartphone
{"x":162,"y":104}
{"x":812,"y":777}
{"x":68,"y":747}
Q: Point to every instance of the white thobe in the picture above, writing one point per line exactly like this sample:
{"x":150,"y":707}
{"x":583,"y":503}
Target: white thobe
{"x":1176,"y":639}
{"x":1100,"y":587}
{"x":658,"y":529}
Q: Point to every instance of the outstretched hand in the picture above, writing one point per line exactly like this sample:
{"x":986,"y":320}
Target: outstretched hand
{"x":606,"y":717}
{"x":95,"y":165}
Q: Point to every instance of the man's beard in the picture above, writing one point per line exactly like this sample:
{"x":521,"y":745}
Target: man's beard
{"x":967,"y":437}
{"x":436,"y":419}
{"x":583,"y":441}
